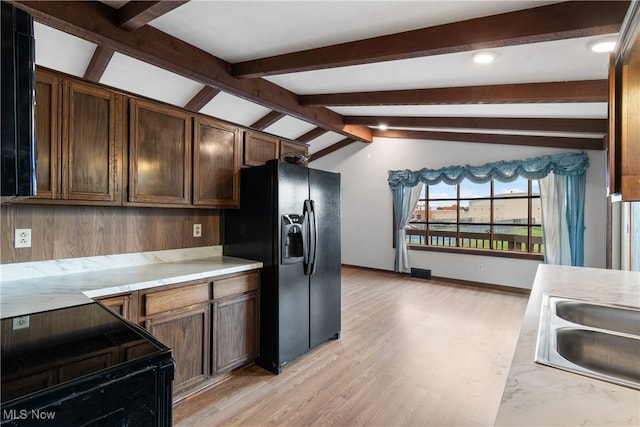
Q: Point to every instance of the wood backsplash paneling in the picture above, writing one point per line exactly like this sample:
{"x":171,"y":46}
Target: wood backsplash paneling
{"x":59,"y":232}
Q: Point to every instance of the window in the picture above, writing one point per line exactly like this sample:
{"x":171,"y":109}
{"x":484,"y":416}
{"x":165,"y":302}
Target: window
{"x":495,"y":216}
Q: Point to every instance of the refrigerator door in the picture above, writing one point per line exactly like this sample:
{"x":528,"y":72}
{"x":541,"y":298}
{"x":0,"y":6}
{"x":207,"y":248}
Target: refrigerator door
{"x":293,"y":286}
{"x":325,"y":283}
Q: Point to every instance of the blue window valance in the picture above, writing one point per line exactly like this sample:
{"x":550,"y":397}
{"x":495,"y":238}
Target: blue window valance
{"x":566,"y":164}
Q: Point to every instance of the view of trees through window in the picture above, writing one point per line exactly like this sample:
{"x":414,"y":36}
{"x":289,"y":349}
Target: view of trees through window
{"x":493,"y":216}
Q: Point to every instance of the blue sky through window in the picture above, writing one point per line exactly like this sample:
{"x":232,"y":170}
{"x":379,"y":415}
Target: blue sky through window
{"x":470,"y":190}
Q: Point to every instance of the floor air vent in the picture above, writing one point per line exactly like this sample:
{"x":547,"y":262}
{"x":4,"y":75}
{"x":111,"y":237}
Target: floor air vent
{"x":421,"y":273}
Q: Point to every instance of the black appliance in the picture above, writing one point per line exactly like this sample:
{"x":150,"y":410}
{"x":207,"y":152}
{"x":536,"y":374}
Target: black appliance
{"x":83,"y":366}
{"x":17,"y":75}
{"x":289,"y":218}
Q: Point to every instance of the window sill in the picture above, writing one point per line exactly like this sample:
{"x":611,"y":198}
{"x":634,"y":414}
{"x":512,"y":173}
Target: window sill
{"x":482,"y":252}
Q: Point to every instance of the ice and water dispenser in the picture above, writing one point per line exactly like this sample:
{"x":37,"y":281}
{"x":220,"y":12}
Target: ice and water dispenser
{"x":292,"y":238}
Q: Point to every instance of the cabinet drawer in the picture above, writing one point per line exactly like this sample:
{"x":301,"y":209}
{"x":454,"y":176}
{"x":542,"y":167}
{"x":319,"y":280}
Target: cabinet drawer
{"x":172,"y":299}
{"x":235,"y":285}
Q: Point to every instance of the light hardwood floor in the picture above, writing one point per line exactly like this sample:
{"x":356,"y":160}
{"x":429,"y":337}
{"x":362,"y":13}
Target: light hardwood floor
{"x":412,"y":352}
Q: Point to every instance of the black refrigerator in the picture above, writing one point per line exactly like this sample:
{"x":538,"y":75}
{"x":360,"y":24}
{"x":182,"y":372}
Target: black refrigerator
{"x":289,"y":218}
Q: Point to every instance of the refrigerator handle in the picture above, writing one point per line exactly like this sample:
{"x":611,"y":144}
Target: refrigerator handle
{"x":306,"y":213}
{"x":310,"y":232}
{"x":314,"y":237}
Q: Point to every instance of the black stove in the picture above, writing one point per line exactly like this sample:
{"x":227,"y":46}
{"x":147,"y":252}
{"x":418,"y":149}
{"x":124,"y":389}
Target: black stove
{"x":83,"y":365}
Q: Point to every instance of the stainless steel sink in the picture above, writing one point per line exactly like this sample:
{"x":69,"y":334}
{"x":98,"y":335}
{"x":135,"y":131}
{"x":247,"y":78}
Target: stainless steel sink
{"x":597,"y":340}
{"x":612,"y":318}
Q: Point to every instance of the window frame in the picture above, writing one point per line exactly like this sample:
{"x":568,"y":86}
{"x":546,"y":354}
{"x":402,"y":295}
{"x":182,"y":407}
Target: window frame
{"x":459,"y":202}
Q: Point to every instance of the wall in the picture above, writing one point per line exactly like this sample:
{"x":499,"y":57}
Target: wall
{"x":367,"y":206}
{"x":59,"y":232}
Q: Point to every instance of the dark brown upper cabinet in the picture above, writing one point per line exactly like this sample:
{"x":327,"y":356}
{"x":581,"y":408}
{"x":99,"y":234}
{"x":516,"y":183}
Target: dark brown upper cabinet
{"x":624,"y":111}
{"x":630,"y":126}
{"x":216,"y":164}
{"x":89,"y":161}
{"x":258,"y":148}
{"x":289,"y":147}
{"x":78,"y":141}
{"x":47,"y":133}
{"x":159,"y":155}
{"x":100,"y":146}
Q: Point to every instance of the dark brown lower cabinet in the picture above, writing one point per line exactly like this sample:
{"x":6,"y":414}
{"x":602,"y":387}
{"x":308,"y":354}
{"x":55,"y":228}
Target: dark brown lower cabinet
{"x":211,"y":325}
{"x":237,"y":330}
{"x":187,"y":334}
{"x":121,"y":304}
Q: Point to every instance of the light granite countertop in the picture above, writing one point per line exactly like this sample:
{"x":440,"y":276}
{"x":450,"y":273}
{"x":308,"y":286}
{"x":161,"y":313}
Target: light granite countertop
{"x":35,"y":287}
{"x":539,"y":395}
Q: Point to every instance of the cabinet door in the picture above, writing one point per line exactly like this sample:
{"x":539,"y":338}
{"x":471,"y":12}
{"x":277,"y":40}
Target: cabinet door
{"x":237,"y":330}
{"x":47,"y":132}
{"x":159,"y":154}
{"x":216,"y":164}
{"x":287,"y":147}
{"x":630,"y":138}
{"x":121,"y":304}
{"x":187,"y":334}
{"x":613,"y":148}
{"x":259,"y":148}
{"x":89,"y":160}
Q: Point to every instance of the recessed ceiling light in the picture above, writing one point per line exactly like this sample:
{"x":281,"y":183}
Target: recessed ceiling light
{"x":484,"y":57}
{"x":607,"y":44}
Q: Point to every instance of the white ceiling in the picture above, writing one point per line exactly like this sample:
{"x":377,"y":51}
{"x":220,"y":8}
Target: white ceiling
{"x":538,"y":62}
{"x":244,"y":30}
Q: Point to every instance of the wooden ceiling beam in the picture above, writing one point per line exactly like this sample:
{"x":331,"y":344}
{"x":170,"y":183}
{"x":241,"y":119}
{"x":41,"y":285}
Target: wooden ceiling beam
{"x":503,"y":123}
{"x":311,"y":135}
{"x":571,"y":143}
{"x":93,"y":21}
{"x":135,"y":14}
{"x":98,"y":64}
{"x":267,"y":120}
{"x":330,"y":149}
{"x":529,"y":140}
{"x":557,"y":21}
{"x":202,"y":98}
{"x":575,"y":91}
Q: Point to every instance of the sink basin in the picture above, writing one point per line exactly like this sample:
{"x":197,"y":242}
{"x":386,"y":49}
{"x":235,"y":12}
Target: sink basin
{"x":612,"y":318}
{"x":607,"y":354}
{"x":597,"y":340}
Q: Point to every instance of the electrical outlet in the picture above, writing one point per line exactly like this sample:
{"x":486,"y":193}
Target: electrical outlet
{"x":23,"y":238}
{"x":481,"y":267}
{"x":197,"y":230}
{"x":20,"y":322}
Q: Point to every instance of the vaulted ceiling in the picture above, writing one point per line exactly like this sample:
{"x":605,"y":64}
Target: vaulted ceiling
{"x":333,"y":73}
